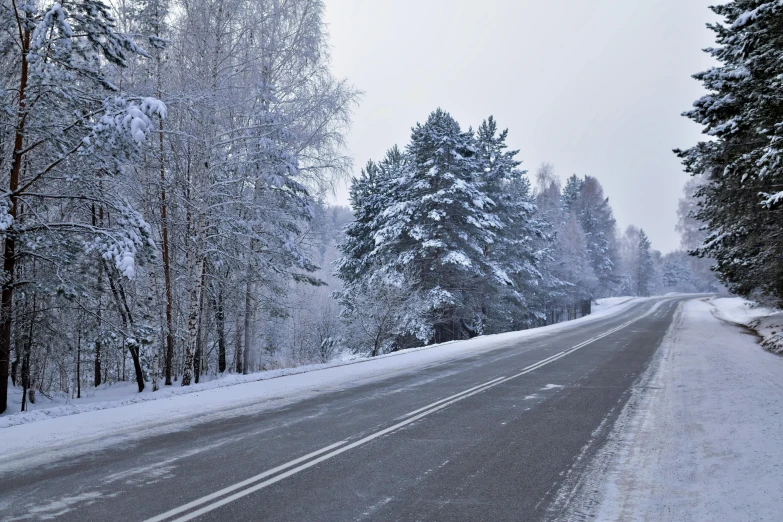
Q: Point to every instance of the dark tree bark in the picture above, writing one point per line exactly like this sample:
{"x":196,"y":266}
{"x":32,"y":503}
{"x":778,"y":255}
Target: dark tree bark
{"x":238,"y":346}
{"x":166,"y":262}
{"x":248,"y":322}
{"x":199,"y":331}
{"x":79,"y":362}
{"x":9,"y":252}
{"x":220,"y":319}
{"x":121,"y":301}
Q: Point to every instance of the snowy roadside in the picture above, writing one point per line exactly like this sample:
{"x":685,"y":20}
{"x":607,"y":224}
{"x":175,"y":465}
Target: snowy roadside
{"x":699,"y":438}
{"x":78,"y":424}
{"x":766,"y":322}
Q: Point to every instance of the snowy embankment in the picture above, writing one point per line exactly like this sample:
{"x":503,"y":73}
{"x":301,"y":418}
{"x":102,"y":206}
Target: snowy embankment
{"x":766,"y":322}
{"x":121,"y":414}
{"x":700,"y":437}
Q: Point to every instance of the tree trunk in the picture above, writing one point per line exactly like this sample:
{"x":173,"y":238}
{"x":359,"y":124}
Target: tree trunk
{"x":166,"y":262}
{"x":134,"y":351}
{"x":220,"y":319}
{"x":248,"y":320}
{"x":123,"y":308}
{"x":201,"y":322}
{"x":196,"y":263}
{"x":9,"y":252}
{"x":238,"y":347}
{"x":155,"y":372}
{"x":98,"y":351}
{"x":79,"y":362}
{"x":98,"y":314}
{"x":25,"y":377}
{"x":26,"y":384}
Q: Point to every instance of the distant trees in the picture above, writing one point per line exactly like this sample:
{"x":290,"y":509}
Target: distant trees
{"x":692,"y":235}
{"x":677,"y":274}
{"x":741,"y":198}
{"x":639,"y":270}
{"x":450,"y":240}
{"x":645,"y":269}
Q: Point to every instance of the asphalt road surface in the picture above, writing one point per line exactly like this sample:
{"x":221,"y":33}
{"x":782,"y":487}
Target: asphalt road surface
{"x":490,"y":437}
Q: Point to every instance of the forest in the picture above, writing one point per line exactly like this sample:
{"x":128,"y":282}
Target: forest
{"x":167,"y":167}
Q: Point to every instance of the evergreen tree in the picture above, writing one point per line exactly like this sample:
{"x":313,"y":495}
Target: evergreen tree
{"x":439,"y":225}
{"x":595,"y":215}
{"x":571,"y":192}
{"x":514,"y":255}
{"x":645,"y":267}
{"x":742,"y":201}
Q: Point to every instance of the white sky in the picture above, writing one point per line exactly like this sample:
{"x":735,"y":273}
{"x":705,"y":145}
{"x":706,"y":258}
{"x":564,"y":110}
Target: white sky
{"x":593,"y":87}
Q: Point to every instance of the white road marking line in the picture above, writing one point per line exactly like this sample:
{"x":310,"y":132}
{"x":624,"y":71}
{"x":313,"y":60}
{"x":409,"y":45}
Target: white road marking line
{"x":427,"y":407}
{"x":435,"y":407}
{"x":246,"y":482}
{"x":487,"y":384}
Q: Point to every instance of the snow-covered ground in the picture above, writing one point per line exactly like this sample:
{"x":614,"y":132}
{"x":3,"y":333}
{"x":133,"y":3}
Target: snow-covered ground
{"x":700,"y":437}
{"x":766,"y":322}
{"x":117,"y":413}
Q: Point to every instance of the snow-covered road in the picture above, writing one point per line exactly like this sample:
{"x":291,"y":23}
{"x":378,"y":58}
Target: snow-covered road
{"x":700,"y":438}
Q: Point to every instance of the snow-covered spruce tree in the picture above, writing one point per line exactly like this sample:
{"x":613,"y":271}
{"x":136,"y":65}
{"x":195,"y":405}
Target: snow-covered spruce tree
{"x":571,"y":192}
{"x":382,"y":309}
{"x":742,"y":201}
{"x":645,"y":267}
{"x":437,"y":226}
{"x":515,"y":255}
{"x":595,"y":215}
{"x":371,"y":193}
{"x":64,"y":148}
{"x":585,"y":199}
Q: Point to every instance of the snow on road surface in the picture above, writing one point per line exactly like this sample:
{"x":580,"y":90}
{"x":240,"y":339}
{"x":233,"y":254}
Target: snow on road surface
{"x":75,"y":428}
{"x":700,"y":437}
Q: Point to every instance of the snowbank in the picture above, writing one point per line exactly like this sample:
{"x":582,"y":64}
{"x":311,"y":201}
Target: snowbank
{"x":123,"y":394}
{"x":97,"y":421}
{"x":766,"y":322}
{"x":699,"y":438}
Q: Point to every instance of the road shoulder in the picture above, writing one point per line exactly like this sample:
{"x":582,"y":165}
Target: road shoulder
{"x":699,"y":439}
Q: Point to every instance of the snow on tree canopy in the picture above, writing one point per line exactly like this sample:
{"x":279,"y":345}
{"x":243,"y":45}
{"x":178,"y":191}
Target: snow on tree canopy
{"x":453,"y":213}
{"x":739,"y":203}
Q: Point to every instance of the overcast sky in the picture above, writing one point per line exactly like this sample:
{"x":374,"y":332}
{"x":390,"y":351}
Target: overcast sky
{"x":593,"y":87}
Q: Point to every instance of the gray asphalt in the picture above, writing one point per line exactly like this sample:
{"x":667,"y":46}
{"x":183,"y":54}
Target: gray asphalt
{"x":500,"y":454}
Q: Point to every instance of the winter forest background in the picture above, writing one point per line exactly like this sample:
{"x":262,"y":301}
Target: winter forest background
{"x":166,"y":168}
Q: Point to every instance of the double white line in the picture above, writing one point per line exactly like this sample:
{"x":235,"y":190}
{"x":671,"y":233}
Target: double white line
{"x":307,"y":461}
